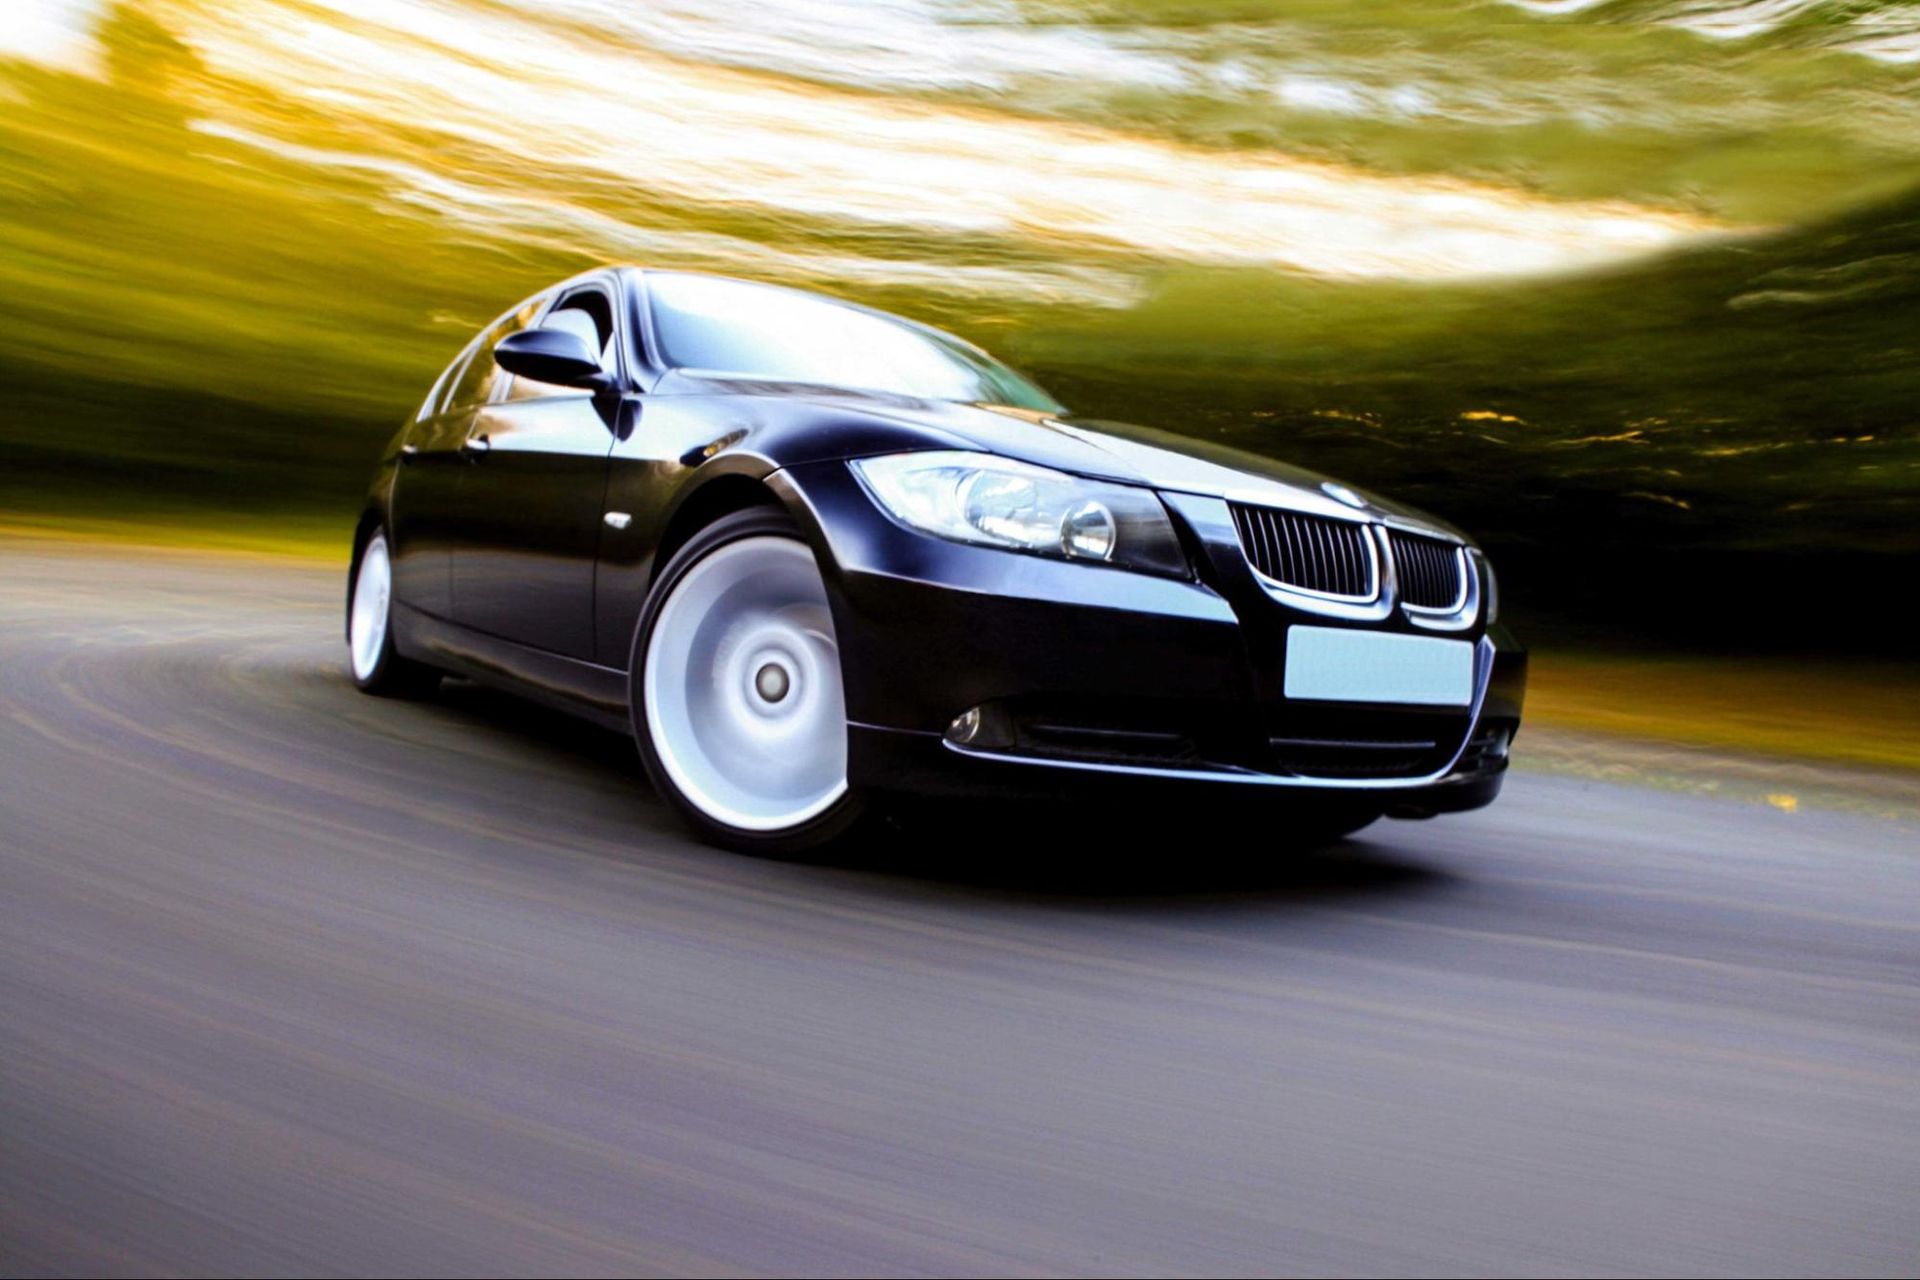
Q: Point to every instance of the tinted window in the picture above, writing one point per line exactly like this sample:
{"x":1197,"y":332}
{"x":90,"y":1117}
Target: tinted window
{"x":477,"y":380}
{"x":782,"y":335}
{"x":431,"y":405}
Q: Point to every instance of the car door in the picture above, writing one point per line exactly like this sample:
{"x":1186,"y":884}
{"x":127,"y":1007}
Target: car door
{"x":530,"y":496}
{"x":426,"y":517}
{"x":420,"y":532}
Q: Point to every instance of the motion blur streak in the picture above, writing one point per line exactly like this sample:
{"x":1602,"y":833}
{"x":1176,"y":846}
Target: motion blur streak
{"x":1280,"y":224}
{"x":293,"y":981}
{"x":1886,"y":32}
{"x":563,"y":97}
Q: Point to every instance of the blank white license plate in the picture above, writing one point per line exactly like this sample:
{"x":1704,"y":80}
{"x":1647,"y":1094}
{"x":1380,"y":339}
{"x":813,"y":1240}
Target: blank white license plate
{"x":1331,"y":664}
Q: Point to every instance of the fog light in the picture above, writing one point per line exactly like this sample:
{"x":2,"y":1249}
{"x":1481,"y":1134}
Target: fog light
{"x":965,"y":727}
{"x":985,"y":726}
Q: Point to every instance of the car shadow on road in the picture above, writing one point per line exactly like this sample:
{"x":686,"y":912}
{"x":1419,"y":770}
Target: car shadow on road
{"x":565,"y":735}
{"x":1075,"y":853}
{"x":1061,"y":853}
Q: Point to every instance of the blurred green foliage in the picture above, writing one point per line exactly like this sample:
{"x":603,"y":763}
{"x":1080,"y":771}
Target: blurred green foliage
{"x":1599,"y":102}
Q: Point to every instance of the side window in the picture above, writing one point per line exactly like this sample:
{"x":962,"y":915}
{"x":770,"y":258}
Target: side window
{"x":476,"y":380}
{"x":437,"y":396}
{"x":479,"y":378}
{"x":587,"y":312}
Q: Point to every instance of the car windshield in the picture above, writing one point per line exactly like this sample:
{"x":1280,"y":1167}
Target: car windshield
{"x":758,"y":331}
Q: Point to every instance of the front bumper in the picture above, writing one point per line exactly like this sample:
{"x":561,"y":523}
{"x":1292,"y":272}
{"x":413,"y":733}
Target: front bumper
{"x":1099,"y":680}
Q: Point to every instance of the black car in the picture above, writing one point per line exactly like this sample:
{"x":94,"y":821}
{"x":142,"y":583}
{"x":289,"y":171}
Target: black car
{"x":813,"y":556}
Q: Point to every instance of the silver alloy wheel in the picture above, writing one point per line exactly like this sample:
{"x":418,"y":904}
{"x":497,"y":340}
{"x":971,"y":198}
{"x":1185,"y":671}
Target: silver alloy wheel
{"x":372,"y":593}
{"x":741,"y":682}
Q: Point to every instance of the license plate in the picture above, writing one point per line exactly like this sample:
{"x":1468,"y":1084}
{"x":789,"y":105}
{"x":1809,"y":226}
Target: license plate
{"x":1331,"y":664}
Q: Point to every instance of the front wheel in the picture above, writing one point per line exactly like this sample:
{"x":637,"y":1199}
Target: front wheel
{"x":735,"y":691}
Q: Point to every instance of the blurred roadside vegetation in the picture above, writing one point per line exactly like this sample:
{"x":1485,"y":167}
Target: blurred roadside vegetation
{"x":1601,"y":100}
{"x":1850,"y":714}
{"x":1716,"y":448}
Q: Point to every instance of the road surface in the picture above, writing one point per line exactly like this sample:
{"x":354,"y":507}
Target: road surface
{"x":294,"y":980}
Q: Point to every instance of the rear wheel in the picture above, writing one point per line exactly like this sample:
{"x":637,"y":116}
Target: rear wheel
{"x":377,"y":668}
{"x":736,"y":694}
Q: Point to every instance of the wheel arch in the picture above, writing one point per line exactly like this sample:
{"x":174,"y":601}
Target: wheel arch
{"x":719,"y":496}
{"x":732,"y":515}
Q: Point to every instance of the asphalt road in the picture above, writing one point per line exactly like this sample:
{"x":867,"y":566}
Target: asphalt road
{"x":295,"y":980}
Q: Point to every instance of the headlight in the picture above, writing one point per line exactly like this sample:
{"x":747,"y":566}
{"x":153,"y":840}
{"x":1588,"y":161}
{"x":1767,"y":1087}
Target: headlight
{"x":997,"y":502}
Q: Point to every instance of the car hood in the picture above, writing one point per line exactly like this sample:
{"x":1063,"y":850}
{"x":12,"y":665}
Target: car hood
{"x":1134,"y":454}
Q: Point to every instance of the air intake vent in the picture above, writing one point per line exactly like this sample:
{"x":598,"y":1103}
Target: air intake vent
{"x":1429,"y":571}
{"x":1310,"y":553}
{"x":1362,"y":742}
{"x":1342,"y":758}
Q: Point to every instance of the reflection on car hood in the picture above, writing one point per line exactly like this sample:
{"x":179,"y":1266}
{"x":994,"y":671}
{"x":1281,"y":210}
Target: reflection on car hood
{"x":1131,"y":454}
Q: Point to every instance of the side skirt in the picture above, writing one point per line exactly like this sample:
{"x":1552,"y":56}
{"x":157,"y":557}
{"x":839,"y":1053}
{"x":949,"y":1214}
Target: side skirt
{"x":583,"y":689}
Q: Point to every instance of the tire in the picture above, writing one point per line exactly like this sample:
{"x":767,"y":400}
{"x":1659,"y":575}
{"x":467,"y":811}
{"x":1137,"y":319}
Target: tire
{"x":376,"y":666}
{"x":735,"y":694}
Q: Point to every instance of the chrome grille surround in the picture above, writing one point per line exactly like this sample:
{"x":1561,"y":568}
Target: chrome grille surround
{"x":1313,"y":555}
{"x":1431,"y":573}
{"x":1358,"y":569}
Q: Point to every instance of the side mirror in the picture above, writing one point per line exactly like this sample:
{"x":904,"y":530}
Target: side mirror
{"x":556,"y":356}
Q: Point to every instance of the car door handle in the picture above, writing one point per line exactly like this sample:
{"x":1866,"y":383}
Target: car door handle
{"x":477,"y":444}
{"x":408,"y":452}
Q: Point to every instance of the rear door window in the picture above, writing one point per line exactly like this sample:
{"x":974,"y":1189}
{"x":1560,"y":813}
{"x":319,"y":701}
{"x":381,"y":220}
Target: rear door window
{"x":438,"y":396}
